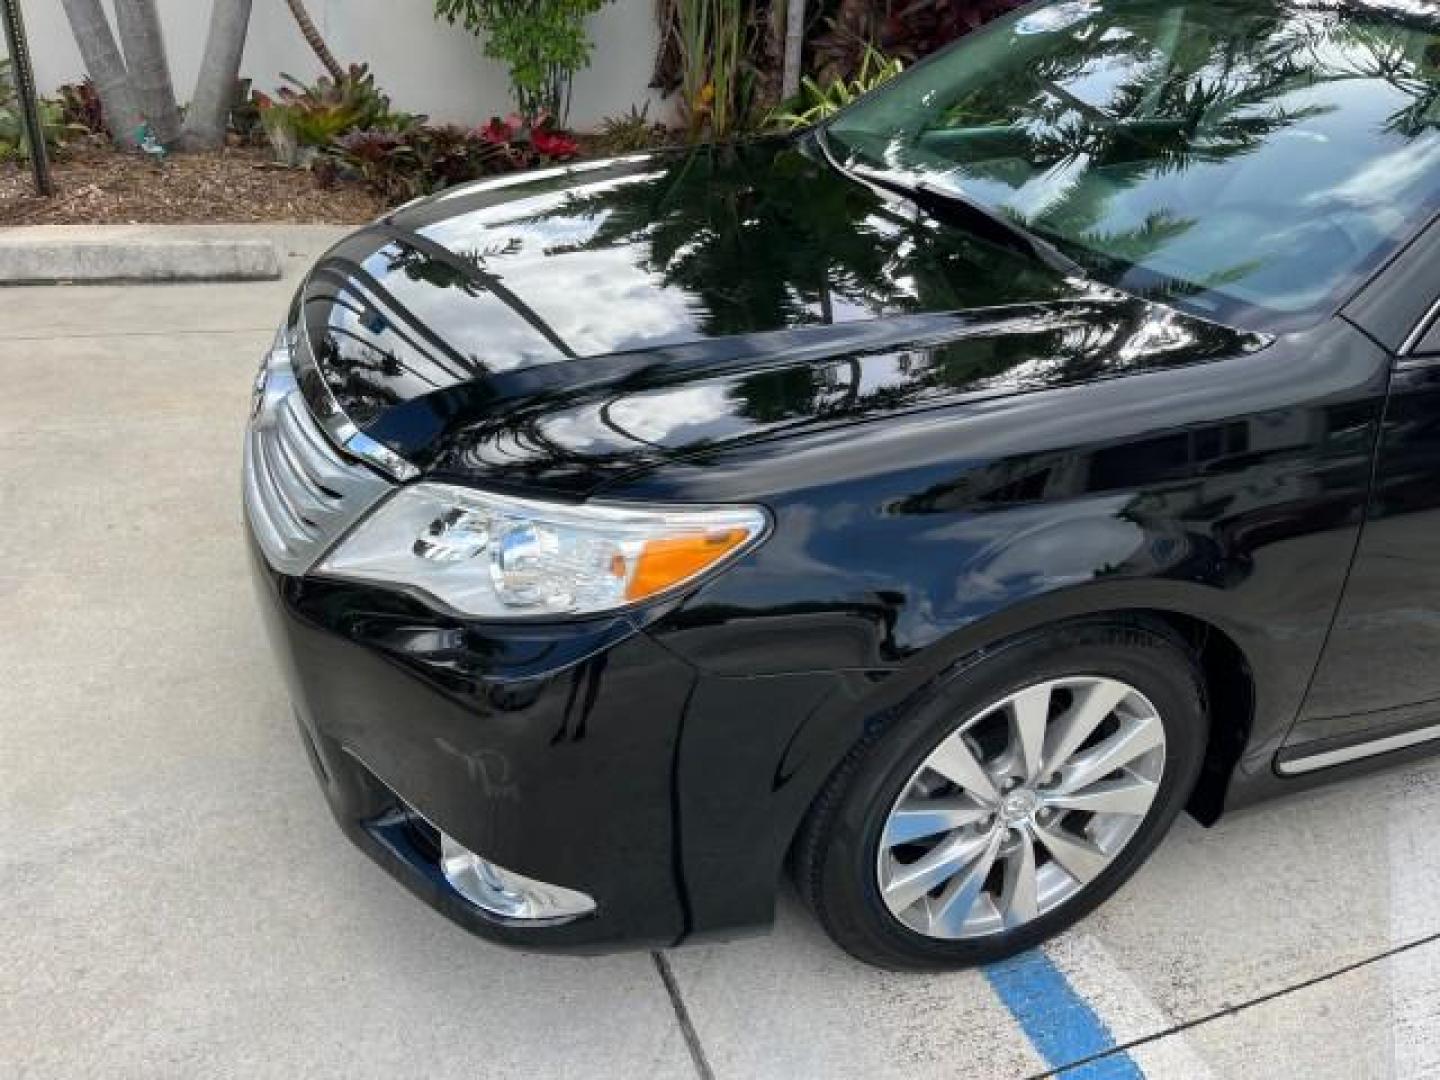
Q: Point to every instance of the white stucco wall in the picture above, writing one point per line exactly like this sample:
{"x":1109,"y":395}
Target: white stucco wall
{"x":425,"y":66}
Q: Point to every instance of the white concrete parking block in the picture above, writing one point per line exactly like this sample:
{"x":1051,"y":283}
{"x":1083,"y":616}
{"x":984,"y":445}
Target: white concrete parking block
{"x":176,"y":309}
{"x":55,"y":254}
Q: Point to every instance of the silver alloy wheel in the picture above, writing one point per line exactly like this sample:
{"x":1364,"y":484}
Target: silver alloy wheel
{"x":1019,"y":808}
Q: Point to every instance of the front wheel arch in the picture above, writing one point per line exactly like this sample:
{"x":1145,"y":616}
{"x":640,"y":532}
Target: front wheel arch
{"x":1228,"y":677}
{"x":834,"y":833}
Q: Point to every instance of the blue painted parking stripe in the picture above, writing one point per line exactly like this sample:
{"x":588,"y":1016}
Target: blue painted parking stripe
{"x":1059,"y":1023}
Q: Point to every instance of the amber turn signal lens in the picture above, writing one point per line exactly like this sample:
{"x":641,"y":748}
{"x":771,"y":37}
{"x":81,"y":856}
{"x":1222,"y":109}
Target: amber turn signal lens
{"x":667,"y":562}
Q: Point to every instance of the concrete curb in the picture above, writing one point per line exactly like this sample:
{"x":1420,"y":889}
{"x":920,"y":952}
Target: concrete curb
{"x":91,"y":256}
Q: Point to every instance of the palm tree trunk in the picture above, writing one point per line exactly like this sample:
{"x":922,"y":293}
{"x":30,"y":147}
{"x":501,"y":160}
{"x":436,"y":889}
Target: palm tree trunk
{"x":208,"y":116}
{"x":144,"y":46}
{"x":315,"y":41}
{"x":107,"y":67}
{"x":794,"y":46}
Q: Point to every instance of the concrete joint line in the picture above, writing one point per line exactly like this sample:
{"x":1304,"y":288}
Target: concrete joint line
{"x":682,"y":1017}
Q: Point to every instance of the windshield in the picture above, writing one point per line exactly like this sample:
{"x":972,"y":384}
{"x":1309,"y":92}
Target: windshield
{"x":1249,"y":162}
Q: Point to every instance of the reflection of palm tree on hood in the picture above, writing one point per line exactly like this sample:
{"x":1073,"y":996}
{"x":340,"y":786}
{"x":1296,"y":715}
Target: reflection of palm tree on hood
{"x":766,"y":238}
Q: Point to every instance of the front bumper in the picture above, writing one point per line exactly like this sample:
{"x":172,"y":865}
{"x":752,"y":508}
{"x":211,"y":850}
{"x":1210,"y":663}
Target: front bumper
{"x":582,"y":755}
{"x":548,"y":750}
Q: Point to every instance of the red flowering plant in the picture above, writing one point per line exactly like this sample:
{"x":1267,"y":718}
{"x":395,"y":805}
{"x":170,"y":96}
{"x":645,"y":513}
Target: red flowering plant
{"x":555,"y":145}
{"x":503,"y":132}
{"x":537,"y":142}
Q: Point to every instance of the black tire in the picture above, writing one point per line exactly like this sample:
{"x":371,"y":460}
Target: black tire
{"x":835,"y":852}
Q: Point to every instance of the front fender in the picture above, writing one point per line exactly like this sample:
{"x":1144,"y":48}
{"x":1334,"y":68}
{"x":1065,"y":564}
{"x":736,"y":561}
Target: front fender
{"x":1231,"y":494}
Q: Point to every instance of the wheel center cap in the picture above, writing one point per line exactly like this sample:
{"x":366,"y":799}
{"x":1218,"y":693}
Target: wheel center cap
{"x":1018,"y":805}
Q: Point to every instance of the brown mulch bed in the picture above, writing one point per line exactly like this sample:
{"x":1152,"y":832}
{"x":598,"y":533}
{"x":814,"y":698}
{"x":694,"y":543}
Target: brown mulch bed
{"x":101,"y":186}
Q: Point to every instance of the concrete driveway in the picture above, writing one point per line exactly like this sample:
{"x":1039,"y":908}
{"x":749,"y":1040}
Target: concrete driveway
{"x":175,"y":900}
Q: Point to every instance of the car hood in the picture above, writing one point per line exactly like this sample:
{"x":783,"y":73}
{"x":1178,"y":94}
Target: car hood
{"x":557,"y":330}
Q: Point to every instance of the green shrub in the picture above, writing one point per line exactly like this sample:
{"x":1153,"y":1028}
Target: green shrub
{"x":817,"y":103}
{"x":709,"y":48}
{"x":12,"y":124}
{"x":631,"y":132}
{"x":541,"y":42}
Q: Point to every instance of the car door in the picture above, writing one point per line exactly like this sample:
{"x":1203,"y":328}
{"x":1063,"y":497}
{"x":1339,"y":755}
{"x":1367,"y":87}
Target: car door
{"x":1377,"y":687}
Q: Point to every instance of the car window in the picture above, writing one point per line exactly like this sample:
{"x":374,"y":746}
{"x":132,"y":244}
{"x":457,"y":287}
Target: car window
{"x":1250,"y":162}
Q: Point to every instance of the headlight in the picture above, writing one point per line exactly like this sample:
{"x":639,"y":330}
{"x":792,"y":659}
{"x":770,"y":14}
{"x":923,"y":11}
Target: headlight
{"x":491,"y":555}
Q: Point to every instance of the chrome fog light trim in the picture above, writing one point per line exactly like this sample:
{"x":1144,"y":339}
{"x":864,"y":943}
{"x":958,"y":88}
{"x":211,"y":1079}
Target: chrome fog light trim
{"x":505,"y":893}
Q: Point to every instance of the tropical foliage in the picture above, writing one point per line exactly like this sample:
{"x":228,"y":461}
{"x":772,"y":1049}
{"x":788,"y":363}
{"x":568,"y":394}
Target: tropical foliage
{"x":346,"y":128}
{"x":821,"y":102}
{"x":905,"y":29}
{"x":403,"y":162}
{"x":401,"y":165}
{"x":543,"y":43}
{"x":303,"y":118}
{"x":715,"y":82}
{"x":129,"y":71}
{"x":53,"y":120}
{"x":731,"y":61}
{"x":630,"y":132}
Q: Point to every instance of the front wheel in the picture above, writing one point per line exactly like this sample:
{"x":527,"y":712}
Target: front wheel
{"x":1008,"y":802}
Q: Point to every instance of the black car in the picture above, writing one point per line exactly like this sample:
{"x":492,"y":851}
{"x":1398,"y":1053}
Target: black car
{"x":934,"y":503}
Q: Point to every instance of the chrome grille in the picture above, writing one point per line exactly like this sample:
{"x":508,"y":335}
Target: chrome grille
{"x":300,"y":493}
